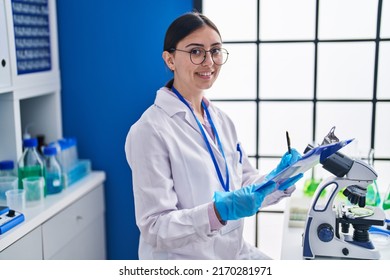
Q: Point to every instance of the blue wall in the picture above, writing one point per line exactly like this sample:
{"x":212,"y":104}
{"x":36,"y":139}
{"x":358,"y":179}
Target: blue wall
{"x":111,"y":67}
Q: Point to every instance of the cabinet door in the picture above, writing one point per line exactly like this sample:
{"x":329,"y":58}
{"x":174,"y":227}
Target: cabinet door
{"x":89,"y":244}
{"x":5,"y":72}
{"x":75,"y":231}
{"x":29,"y":247}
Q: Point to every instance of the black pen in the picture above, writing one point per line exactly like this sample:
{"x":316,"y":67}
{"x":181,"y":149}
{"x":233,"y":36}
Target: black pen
{"x":288,"y":143}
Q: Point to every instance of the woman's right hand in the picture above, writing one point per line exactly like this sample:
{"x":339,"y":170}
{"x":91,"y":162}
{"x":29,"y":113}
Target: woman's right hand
{"x":243,"y":202}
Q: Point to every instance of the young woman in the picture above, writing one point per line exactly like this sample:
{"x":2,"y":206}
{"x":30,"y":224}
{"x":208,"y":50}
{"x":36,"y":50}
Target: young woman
{"x":192,"y":180}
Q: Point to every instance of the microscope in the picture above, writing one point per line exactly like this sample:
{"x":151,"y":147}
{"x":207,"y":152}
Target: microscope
{"x":338,"y":227}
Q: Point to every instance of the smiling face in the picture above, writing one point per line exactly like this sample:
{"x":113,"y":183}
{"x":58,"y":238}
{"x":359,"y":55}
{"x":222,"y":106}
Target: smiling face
{"x":191,"y":79}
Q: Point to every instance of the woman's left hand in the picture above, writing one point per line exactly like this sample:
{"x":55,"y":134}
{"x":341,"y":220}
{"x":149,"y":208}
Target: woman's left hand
{"x":287,"y":160}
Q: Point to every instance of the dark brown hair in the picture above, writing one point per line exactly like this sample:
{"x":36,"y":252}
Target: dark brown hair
{"x":183,"y":26}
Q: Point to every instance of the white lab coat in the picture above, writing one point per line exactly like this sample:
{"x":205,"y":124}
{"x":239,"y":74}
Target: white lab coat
{"x":174,"y":180}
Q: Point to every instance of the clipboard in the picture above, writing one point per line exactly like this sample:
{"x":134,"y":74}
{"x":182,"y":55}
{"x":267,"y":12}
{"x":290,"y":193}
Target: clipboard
{"x":308,"y":161}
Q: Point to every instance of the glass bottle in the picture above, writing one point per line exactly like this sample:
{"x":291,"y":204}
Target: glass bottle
{"x":386,"y":200}
{"x":372,"y":196}
{"x":53,"y":171}
{"x":30,"y":164}
{"x":8,"y":179}
{"x":386,"y":207}
{"x":311,"y":184}
{"x":7,"y":168}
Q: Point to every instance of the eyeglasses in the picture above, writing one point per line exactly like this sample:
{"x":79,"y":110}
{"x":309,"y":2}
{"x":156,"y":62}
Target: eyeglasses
{"x":198,"y":55}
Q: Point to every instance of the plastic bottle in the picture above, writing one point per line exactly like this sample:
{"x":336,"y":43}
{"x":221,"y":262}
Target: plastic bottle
{"x":53,"y":171}
{"x":68,"y":155}
{"x":73,"y":154}
{"x":7,"y":168}
{"x":64,"y":155}
{"x":30,"y":164}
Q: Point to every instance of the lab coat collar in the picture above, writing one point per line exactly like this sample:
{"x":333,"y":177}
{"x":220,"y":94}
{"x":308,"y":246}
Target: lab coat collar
{"x":167,"y":101}
{"x":172,"y":105}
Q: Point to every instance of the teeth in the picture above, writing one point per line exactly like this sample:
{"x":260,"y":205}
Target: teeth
{"x":205,"y":73}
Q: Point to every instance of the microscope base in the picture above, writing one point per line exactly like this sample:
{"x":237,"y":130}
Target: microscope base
{"x":341,"y":247}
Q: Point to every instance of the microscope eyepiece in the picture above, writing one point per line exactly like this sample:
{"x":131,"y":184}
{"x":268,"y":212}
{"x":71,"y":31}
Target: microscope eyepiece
{"x":338,"y":164}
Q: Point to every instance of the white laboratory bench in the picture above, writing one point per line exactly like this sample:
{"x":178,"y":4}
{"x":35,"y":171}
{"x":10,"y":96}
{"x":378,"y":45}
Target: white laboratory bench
{"x":70,"y":225}
{"x":292,"y":236}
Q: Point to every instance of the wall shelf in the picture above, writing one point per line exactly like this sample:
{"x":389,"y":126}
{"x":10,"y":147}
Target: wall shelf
{"x":30,"y":99}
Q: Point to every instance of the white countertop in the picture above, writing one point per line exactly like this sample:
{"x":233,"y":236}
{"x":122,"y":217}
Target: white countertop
{"x":53,"y":204}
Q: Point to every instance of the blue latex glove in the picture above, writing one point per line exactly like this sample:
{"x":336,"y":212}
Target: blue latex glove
{"x":287,"y":160}
{"x":243,"y":202}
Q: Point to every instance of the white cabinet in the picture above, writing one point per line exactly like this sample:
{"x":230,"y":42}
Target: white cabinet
{"x":29,"y":247}
{"x":77,"y":230}
{"x":89,"y":244}
{"x":71,"y":225}
{"x":29,"y":74}
{"x":5,"y":72}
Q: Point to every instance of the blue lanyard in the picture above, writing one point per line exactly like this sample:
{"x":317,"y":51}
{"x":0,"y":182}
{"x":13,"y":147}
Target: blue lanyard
{"x":225,"y":186}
